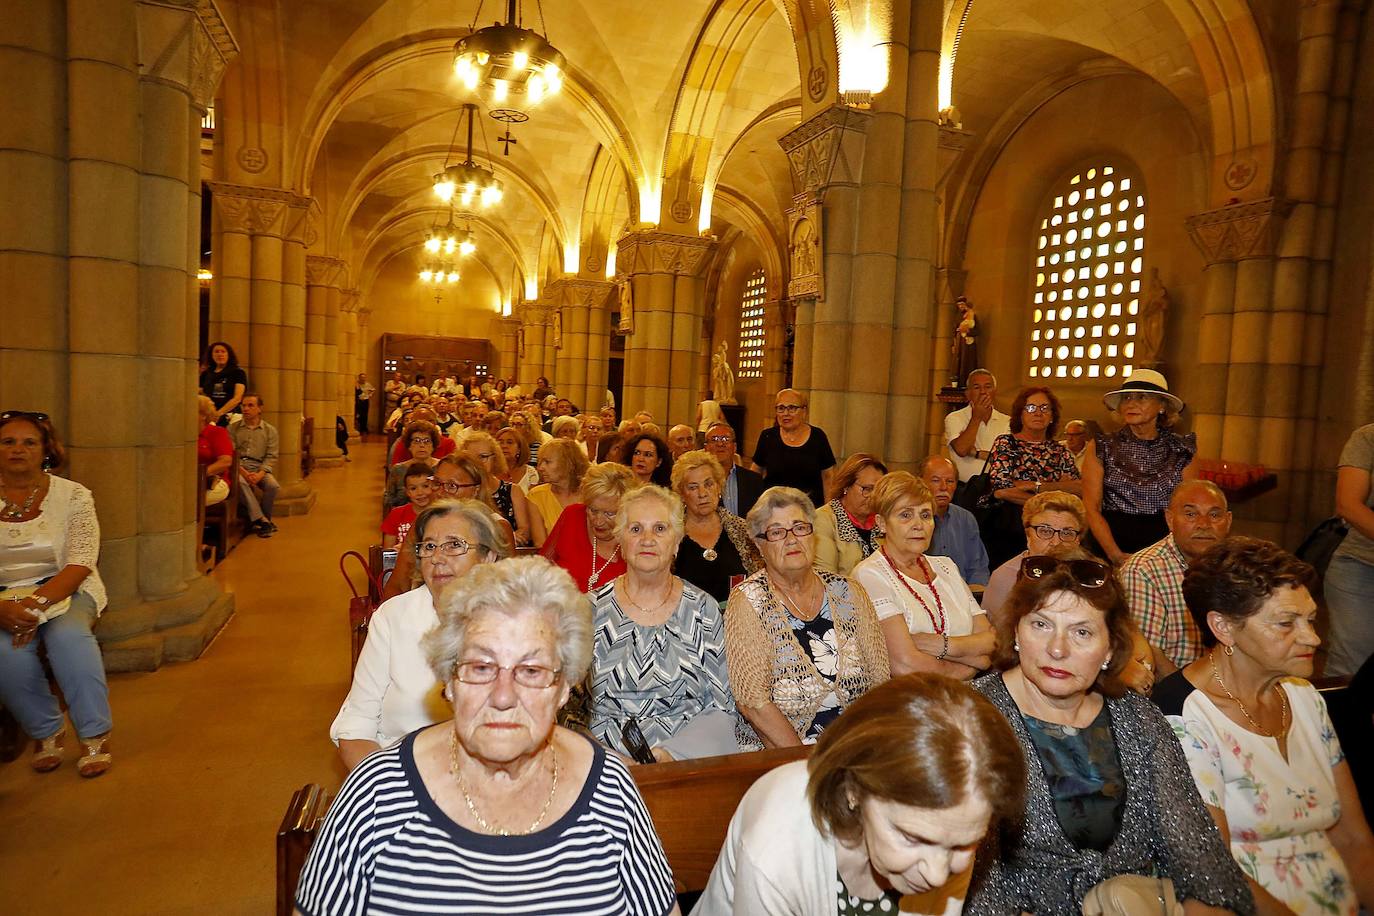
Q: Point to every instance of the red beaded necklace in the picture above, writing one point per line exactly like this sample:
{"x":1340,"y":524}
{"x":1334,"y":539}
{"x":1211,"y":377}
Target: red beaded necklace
{"x":929,"y":574}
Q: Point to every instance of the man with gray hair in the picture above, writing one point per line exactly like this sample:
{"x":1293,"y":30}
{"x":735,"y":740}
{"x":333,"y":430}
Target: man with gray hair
{"x":970,"y":431}
{"x":1076,"y":441}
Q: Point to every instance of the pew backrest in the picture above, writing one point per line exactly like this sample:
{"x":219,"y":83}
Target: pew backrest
{"x":294,"y":838}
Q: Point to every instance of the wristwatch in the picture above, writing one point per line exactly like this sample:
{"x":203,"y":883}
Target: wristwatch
{"x":41,"y":600}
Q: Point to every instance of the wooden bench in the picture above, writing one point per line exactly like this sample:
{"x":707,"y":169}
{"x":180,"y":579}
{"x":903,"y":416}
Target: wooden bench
{"x":691,"y":802}
{"x":223,"y":519}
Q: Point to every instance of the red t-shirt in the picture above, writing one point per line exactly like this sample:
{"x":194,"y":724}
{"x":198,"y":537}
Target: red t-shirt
{"x":400,"y":453}
{"x":398,"y":521}
{"x":214,"y":443}
{"x":569,"y":545}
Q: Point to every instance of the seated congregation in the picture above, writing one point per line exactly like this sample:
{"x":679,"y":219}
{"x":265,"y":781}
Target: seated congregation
{"x":1003,"y":685}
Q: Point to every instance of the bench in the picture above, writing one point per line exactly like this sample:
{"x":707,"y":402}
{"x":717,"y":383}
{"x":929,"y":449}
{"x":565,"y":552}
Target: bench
{"x":222,"y":524}
{"x":297,"y":832}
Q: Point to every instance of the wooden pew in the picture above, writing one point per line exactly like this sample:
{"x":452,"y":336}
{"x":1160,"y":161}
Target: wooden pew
{"x":225,"y":518}
{"x":297,"y":832}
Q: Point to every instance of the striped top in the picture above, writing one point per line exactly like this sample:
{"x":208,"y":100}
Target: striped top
{"x":387,"y":848}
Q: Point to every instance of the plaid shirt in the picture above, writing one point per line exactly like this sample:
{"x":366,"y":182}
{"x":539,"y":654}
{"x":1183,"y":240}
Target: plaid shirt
{"x":1153,"y":579}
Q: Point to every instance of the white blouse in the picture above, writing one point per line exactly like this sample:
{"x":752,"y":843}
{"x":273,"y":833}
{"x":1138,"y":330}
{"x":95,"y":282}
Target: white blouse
{"x":888,"y":590}
{"x":394,"y":691}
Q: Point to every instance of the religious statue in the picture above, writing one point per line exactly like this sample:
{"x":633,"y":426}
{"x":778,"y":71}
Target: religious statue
{"x":965,"y":346}
{"x":1149,"y":343}
{"x":722,"y":376}
{"x":627,"y":306}
{"x":558,"y":329}
{"x":803,"y":255}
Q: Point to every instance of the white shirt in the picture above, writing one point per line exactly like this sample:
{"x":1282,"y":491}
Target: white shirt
{"x":394,"y":691}
{"x":957,"y":422}
{"x":888,"y":590}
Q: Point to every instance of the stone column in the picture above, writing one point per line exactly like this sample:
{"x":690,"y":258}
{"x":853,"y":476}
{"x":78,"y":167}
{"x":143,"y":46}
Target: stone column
{"x":510,"y":335}
{"x":257,"y":303}
{"x":584,"y":351}
{"x":324,"y":277}
{"x":348,"y":369}
{"x":99,"y":155}
{"x":535,"y":355}
{"x":667,"y":276}
{"x":775,"y":324}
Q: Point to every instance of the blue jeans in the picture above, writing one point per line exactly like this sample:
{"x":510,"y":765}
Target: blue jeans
{"x":1349,"y":590}
{"x":75,"y":658}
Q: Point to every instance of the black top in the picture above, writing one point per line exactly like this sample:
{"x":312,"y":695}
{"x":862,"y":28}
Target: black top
{"x":1084,"y":777}
{"x":711,"y":576}
{"x":800,"y":466}
{"x":219,"y":386}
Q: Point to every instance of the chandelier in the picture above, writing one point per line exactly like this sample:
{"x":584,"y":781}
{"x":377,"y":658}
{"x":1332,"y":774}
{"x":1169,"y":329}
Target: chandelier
{"x":470,"y":181}
{"x":439,"y":273}
{"x":512,"y":63}
{"x":450,"y":240}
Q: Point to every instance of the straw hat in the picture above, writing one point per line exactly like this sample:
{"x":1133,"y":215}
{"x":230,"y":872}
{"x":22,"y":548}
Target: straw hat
{"x":1147,"y":381}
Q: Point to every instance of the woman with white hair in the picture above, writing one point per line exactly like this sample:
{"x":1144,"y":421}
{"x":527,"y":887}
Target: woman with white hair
{"x":659,"y":682}
{"x":500,"y":804}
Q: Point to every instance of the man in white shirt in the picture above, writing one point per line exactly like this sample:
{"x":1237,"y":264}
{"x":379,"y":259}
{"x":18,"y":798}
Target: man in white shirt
{"x":1076,"y":441}
{"x":970,"y":431}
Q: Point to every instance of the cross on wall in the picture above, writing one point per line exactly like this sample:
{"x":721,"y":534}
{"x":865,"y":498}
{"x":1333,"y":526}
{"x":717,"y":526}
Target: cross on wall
{"x":507,"y":140}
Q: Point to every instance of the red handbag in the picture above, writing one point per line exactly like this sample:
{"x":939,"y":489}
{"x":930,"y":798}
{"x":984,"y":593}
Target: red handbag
{"x":362,"y":604}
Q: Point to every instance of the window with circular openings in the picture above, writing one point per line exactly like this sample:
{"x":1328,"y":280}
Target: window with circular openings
{"x":1107,"y":202}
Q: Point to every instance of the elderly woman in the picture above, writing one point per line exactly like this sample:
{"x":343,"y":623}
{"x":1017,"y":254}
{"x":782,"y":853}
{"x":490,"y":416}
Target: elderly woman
{"x":844,"y":525}
{"x":50,"y":596}
{"x":892,"y":804}
{"x":561,"y":467}
{"x":419,"y":439}
{"x":930,"y":619}
{"x":792,"y":452}
{"x":393,"y":689}
{"x":510,"y":501}
{"x":1258,"y":738}
{"x":584,"y":540}
{"x":566,"y":428}
{"x":648,"y":456}
{"x":659,"y":645}
{"x":717,"y":548}
{"x":1111,"y":811}
{"x":802,"y":644}
{"x":214,"y":452}
{"x":500,"y":804}
{"x":1130,"y":475}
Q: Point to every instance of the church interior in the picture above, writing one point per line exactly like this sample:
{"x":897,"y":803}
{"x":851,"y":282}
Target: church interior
{"x":807,"y":187}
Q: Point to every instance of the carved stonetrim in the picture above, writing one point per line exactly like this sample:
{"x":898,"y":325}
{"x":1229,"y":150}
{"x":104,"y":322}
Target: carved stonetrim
{"x":652,"y":252}
{"x":805,"y":255}
{"x":331,"y":273}
{"x":185,"y":44}
{"x":575,"y":291}
{"x":265,"y":211}
{"x":826,"y":149}
{"x":1248,"y":230}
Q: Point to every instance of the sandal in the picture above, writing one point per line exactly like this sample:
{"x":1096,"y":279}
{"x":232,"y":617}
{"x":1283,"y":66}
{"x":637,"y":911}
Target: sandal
{"x":97,"y":758}
{"x":47,"y":753}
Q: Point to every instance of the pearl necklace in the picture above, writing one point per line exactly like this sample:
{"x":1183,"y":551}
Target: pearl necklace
{"x":1283,"y":700}
{"x":13,"y":511}
{"x":472,"y":809}
{"x":598,"y":573}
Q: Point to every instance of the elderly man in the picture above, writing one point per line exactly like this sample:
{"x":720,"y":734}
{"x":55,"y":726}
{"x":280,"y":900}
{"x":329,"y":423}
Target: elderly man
{"x":681,"y":440}
{"x":970,"y":431}
{"x":1198,"y":518}
{"x":446,"y":422}
{"x":258,"y":446}
{"x":590,"y":436}
{"x":956,"y":530}
{"x":1075,"y":440}
{"x":743,"y":487}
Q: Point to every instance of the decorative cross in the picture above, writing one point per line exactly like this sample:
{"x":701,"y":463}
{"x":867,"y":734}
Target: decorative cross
{"x":506,"y":139}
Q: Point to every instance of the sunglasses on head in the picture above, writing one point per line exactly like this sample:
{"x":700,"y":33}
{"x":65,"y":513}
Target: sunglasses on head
{"x":23,"y":414}
{"x":1085,"y":573}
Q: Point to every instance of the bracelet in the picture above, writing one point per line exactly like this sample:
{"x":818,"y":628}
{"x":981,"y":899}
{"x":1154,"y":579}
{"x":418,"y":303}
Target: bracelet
{"x":945,"y":650}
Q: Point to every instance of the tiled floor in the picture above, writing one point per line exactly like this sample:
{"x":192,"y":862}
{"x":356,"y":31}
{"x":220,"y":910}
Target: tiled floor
{"x":207,"y":753}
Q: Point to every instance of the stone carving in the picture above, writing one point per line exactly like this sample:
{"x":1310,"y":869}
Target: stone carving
{"x":965,"y":345}
{"x":327,"y":272}
{"x":627,"y":307}
{"x":1237,"y":231}
{"x":662,"y":252}
{"x":265,"y":211}
{"x":1149,"y":343}
{"x":558,"y":329}
{"x":826,"y":149}
{"x":185,"y":44}
{"x":722,"y":376}
{"x":804,"y":251}
{"x":251,"y":159}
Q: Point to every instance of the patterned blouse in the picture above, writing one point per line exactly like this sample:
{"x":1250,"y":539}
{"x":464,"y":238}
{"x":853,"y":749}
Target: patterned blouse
{"x":1012,"y":459}
{"x":1139,"y":475}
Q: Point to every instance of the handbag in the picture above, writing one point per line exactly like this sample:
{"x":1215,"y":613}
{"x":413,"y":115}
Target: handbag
{"x":1132,"y":895}
{"x":361,"y":604}
{"x":56,"y":609}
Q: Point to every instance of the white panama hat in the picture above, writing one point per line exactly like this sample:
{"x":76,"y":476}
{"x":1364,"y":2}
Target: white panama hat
{"x":1146,"y":381}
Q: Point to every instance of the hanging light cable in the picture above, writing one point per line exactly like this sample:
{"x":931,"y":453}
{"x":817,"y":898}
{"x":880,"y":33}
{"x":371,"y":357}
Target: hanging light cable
{"x":468,"y":180}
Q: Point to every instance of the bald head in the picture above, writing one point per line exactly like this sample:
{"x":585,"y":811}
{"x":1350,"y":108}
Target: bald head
{"x":1198,"y":517}
{"x":681,"y":439}
{"x":941,"y":476}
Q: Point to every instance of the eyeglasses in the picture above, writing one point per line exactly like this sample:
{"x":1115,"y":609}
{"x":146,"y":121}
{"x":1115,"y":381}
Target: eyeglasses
{"x":789,"y":408}
{"x":1039,"y":408}
{"x":779,"y":533}
{"x":534,"y":676}
{"x":457,"y":547}
{"x":720,"y":440}
{"x":1049,"y":533}
{"x":421,"y":440}
{"x":1086,"y":573}
{"x":26,"y":414}
{"x":453,"y":486}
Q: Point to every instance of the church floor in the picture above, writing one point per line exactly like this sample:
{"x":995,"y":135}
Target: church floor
{"x":207,"y":753}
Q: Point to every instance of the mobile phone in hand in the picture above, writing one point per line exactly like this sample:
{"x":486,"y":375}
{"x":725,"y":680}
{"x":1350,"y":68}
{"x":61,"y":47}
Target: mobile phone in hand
{"x":635,"y":743}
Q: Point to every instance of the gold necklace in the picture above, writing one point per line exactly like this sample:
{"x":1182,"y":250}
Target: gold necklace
{"x":658,"y":604}
{"x":15,"y":510}
{"x":1283,"y":701}
{"x":472,"y":809}
{"x":792,"y":606}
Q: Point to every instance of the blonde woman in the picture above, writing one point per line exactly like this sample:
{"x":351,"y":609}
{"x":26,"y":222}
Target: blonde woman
{"x":561,"y":468}
{"x":511,"y":502}
{"x":717,"y":548}
{"x":844,"y":525}
{"x":583,"y":541}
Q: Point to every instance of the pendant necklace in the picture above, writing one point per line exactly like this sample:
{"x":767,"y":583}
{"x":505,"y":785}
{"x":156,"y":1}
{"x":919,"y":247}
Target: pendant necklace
{"x":472,"y":809}
{"x":1283,"y":700}
{"x":598,"y":573}
{"x":14,"y":510}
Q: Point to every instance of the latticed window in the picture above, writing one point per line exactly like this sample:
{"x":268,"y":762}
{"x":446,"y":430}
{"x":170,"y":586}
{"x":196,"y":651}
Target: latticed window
{"x":1088,"y":275}
{"x":751,"y":327}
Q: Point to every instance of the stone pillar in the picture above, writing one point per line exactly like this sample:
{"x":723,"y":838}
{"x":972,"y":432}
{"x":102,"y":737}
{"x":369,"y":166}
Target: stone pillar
{"x":667,"y":282}
{"x":775,"y":324}
{"x":258,"y":304}
{"x":535,"y":343}
{"x":509,"y":344}
{"x":99,"y":156}
{"x":349,"y":363}
{"x":584,"y":347}
{"x":324,"y":278}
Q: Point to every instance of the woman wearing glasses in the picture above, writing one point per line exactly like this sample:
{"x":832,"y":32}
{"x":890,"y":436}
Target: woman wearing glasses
{"x":583,"y":541}
{"x":392,"y":692}
{"x":801,"y":643}
{"x":419,"y":438}
{"x":792,"y":452}
{"x":845,"y":525}
{"x":1024,"y":462}
{"x":1051,"y":519}
{"x":1113,"y":821}
{"x":501,"y":806}
{"x":50,"y":596}
{"x":930,"y":620}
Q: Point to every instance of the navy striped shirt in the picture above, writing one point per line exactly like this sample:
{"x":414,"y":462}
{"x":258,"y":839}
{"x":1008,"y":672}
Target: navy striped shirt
{"x":387,"y":848}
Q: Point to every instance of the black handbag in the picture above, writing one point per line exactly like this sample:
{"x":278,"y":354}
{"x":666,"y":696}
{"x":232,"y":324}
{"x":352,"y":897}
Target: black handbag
{"x":1319,"y":545}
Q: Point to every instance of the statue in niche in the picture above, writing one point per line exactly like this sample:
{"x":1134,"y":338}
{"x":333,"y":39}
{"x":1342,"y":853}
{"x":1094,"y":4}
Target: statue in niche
{"x":803,"y":255}
{"x":722,"y":376}
{"x":558,"y":329}
{"x":627,"y":306}
{"x":965,"y":346}
{"x":1149,"y":343}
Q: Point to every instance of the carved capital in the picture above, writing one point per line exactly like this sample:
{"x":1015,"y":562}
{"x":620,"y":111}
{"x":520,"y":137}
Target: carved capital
{"x":653,"y":252}
{"x":1239,"y":231}
{"x":351,"y":300}
{"x":185,"y":44}
{"x":826,"y":149}
{"x":327,"y":272}
{"x":576,"y":291}
{"x":263,"y":211}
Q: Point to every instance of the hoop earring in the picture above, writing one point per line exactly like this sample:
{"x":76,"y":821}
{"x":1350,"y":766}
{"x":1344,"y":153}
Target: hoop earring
{"x":1230,"y":650}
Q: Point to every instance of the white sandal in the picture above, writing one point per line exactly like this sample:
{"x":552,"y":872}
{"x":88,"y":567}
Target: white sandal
{"x":47,"y":753}
{"x":97,"y":758}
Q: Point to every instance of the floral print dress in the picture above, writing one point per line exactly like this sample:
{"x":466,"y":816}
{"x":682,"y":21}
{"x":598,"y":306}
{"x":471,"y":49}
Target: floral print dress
{"x":1278,"y":810}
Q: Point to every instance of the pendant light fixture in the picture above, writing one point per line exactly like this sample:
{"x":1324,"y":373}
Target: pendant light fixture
{"x":469,"y":182}
{"x":511,"y":65}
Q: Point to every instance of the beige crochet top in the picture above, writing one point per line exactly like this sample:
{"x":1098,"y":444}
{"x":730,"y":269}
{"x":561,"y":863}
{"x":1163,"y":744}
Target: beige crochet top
{"x":768,"y":664}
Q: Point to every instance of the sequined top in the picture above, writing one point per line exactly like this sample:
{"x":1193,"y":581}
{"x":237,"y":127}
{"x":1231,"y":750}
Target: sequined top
{"x":1139,"y":475}
{"x":1164,"y":827}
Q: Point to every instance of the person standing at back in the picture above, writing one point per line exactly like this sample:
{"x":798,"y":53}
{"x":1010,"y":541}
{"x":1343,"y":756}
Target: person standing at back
{"x":792,"y":452}
{"x":970,"y":431}
{"x":223,"y":380}
{"x":1349,"y":582}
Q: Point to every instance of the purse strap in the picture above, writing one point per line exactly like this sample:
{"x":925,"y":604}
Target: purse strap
{"x":367,"y":572}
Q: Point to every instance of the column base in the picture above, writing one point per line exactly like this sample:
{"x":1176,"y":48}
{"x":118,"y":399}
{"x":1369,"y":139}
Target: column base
{"x":335,"y":462}
{"x":295,"y":499}
{"x":140,"y":637}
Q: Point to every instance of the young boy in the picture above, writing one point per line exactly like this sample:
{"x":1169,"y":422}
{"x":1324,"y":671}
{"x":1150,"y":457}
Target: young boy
{"x":420,"y":492}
